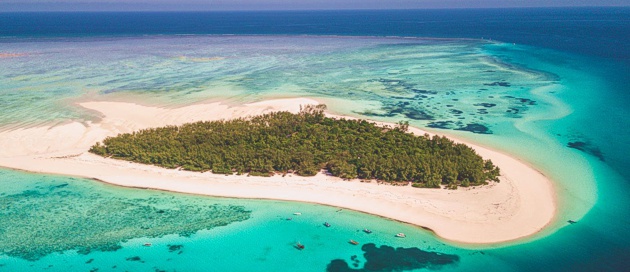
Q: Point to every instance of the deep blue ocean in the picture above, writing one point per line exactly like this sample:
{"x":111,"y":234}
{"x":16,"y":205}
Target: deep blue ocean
{"x":583,"y":52}
{"x":591,"y":31}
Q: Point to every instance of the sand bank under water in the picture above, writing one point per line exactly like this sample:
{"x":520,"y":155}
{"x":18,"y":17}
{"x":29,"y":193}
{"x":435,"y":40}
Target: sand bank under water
{"x":520,"y":205}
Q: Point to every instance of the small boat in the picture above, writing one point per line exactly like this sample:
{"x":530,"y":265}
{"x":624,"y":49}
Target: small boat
{"x":299,"y":246}
{"x":326,"y":224}
{"x":353,"y":242}
{"x":572,"y":222}
{"x":401,"y":235}
{"x":367,"y":231}
{"x":297,"y":213}
{"x":147,"y":244}
{"x":290,"y":218}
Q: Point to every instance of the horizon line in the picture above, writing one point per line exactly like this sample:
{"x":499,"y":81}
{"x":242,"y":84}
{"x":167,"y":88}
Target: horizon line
{"x":294,"y":10}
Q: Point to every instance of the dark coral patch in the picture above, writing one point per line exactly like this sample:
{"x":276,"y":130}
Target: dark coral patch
{"x":134,"y":259}
{"x":370,"y":113}
{"x":423,"y":91}
{"x":400,"y":86}
{"x":59,"y":186}
{"x":401,"y":108}
{"x":400,"y":97}
{"x":487,"y":105}
{"x":521,"y":100}
{"x":498,"y":83}
{"x":587,"y":148}
{"x":441,"y":124}
{"x":386,"y":258}
{"x":526,"y":101}
{"x":173,"y":248}
{"x":476,"y":128}
{"x":417,"y":115}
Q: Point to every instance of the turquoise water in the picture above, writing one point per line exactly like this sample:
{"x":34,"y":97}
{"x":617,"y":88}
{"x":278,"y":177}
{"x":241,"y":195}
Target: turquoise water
{"x":524,"y":100}
{"x":216,"y":234}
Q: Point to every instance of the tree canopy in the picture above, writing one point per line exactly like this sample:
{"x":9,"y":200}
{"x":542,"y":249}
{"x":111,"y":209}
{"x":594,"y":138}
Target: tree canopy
{"x":304,"y":144}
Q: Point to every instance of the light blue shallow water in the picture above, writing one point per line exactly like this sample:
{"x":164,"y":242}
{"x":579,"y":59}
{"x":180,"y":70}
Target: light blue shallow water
{"x":264,"y":241}
{"x":527,"y":101}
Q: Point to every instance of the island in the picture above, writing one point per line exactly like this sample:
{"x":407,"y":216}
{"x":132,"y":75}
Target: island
{"x":304,"y":143}
{"x":518,"y":206}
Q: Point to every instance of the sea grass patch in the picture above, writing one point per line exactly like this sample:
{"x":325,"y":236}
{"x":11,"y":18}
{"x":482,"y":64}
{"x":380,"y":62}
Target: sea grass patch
{"x":67,"y":214}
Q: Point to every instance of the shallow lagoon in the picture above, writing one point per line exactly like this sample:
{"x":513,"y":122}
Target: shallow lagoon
{"x":527,"y":101}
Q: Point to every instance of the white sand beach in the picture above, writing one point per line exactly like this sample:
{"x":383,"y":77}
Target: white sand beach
{"x":520,"y":205}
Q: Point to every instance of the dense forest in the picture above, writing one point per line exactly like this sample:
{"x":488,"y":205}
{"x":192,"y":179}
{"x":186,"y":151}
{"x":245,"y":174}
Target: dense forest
{"x":304,"y":144}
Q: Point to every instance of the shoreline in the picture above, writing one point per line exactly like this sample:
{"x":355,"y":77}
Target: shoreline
{"x":521,"y":205}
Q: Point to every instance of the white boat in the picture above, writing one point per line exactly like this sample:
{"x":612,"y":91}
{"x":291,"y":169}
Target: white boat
{"x":401,"y":235}
{"x":297,"y":213}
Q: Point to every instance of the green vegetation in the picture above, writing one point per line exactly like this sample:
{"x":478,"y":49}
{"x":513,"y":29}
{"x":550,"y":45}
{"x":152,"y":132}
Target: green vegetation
{"x":305,"y":143}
